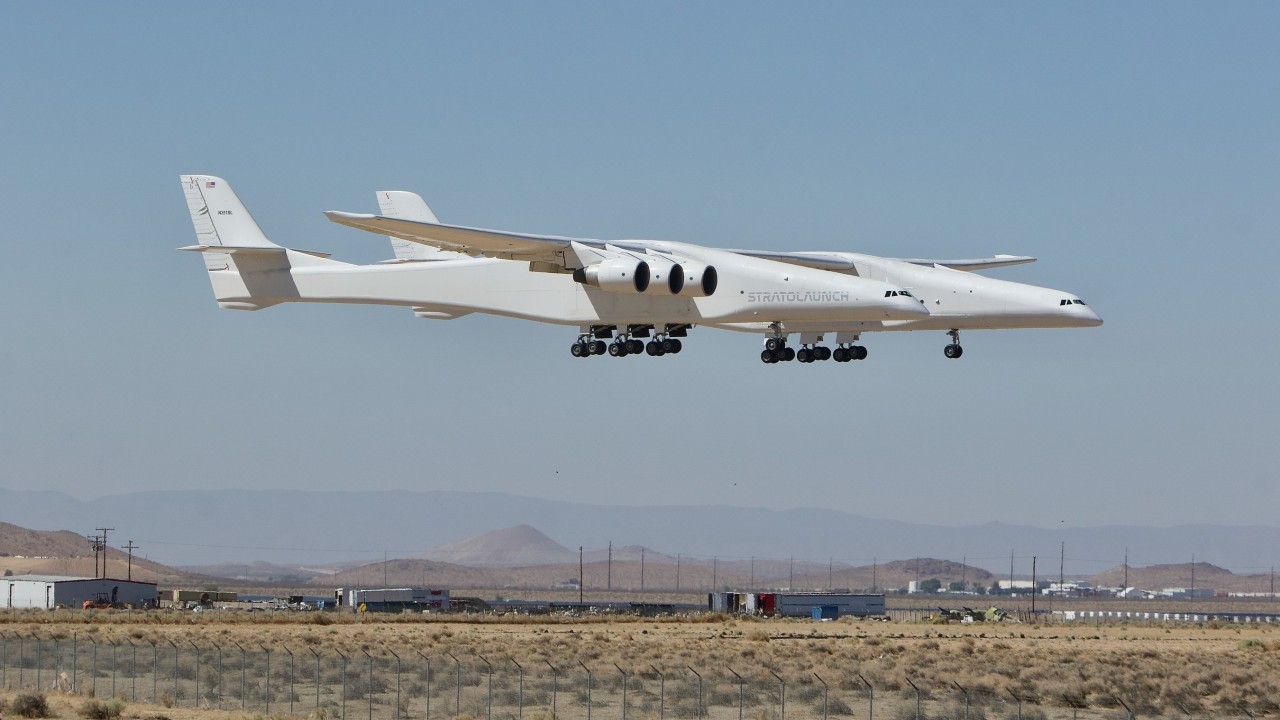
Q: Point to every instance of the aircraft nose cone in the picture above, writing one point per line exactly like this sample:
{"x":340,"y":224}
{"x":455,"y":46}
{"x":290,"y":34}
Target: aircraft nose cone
{"x":1092,"y":319}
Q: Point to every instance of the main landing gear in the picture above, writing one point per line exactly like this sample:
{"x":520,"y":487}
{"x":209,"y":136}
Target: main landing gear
{"x":953,"y":350}
{"x":627,"y":343}
{"x":776,"y":350}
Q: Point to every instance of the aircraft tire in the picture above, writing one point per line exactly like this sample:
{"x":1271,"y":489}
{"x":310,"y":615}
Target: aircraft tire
{"x":598,"y":347}
{"x":773,"y":343}
{"x":676,"y":346}
{"x":839,"y":355}
{"x":953,"y":351}
{"x":804,"y":355}
{"x":767,"y":357}
{"x":789,"y":354}
{"x":822,"y":353}
{"x":635,"y":347}
{"x":578,"y":349}
{"x":860,"y":352}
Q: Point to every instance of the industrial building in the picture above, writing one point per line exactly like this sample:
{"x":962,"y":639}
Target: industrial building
{"x":797,"y":604}
{"x":51,"y":591}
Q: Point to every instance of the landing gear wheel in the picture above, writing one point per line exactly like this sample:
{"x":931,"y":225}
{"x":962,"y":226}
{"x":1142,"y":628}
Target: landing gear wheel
{"x":789,"y":354}
{"x":651,"y":348}
{"x":767,"y":357}
{"x":840,"y":355}
{"x":953,"y":351}
{"x":617,"y":349}
{"x":774,"y":343}
{"x":579,"y":349}
{"x":822,"y":353}
{"x":676,"y":346}
{"x":669,"y":346}
{"x":804,"y":355}
{"x":598,"y":347}
{"x":635,"y":347}
{"x":860,"y":352}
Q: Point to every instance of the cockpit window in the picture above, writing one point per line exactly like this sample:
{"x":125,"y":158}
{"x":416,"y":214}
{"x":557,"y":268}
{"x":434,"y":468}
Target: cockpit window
{"x":896,"y":293}
{"x":904,"y":293}
{"x":1078,"y":301}
{"x":1070,"y":301}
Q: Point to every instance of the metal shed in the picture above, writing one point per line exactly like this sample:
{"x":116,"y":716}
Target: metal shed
{"x":51,"y":591}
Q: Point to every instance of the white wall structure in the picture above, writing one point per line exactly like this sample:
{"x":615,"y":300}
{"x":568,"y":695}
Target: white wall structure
{"x":51,"y":591}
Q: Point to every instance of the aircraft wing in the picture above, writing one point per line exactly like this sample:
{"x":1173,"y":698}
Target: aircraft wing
{"x":975,"y":263}
{"x":491,"y":243}
{"x":839,"y":262}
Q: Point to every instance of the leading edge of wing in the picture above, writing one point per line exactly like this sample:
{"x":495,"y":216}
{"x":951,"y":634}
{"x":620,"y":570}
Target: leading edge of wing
{"x":975,"y":263}
{"x":493,"y":243}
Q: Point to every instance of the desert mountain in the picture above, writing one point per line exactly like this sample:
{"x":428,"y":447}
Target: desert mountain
{"x":510,"y":547}
{"x":318,"y":527}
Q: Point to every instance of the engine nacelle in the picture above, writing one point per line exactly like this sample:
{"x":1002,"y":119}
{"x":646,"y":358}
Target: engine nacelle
{"x":616,"y":275}
{"x":665,"y":276}
{"x":699,"y":280}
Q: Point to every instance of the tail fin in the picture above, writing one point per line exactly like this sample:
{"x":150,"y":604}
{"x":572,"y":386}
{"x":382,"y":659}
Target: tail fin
{"x":244,"y":266}
{"x":406,"y":205}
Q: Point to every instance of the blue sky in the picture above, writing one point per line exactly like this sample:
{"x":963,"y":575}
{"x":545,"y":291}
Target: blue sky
{"x":1132,"y":147}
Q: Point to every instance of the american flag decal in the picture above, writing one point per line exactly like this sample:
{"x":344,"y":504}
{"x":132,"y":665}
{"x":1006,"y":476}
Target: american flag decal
{"x":210,"y":184}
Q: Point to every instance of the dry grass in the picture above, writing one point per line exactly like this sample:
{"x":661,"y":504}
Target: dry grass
{"x":1153,"y":668}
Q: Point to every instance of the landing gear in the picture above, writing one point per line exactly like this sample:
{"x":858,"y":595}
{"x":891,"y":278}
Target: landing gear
{"x":776,"y":350}
{"x":953,"y":350}
{"x":851,"y":352}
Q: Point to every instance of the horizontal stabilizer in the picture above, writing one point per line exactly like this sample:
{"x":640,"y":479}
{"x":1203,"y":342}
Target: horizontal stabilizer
{"x":249,"y":250}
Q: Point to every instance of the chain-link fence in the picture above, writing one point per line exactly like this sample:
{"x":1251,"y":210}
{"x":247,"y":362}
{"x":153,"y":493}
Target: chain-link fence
{"x":406,"y":684}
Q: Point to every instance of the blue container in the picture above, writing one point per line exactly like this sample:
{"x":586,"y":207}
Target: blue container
{"x":826,"y":612}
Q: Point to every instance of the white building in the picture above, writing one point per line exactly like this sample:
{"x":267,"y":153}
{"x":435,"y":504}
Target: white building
{"x":51,"y":591}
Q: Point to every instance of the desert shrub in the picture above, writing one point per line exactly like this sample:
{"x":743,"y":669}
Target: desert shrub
{"x":30,"y":705}
{"x":99,"y":710}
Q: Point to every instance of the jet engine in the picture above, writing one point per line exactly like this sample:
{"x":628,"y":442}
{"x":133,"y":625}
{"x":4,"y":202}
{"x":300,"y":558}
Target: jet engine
{"x":665,"y":274}
{"x":616,"y":275}
{"x":699,"y":280}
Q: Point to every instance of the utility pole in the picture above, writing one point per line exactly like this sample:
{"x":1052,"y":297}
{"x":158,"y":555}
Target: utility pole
{"x":384,"y":568}
{"x":1273,"y":583}
{"x":1011,"y":572}
{"x":104,"y":548}
{"x":873,"y":573}
{"x":642,"y":569}
{"x":130,"y":547}
{"x":964,"y":573}
{"x":579,"y":574}
{"x":791,"y":582}
{"x":677,"y":572}
{"x":1126,"y":572}
{"x":1193,"y":576}
{"x":829,"y":585}
{"x":1062,"y":561}
{"x":715,"y":571}
{"x":753,"y":572}
{"x":96,"y":544}
{"x":609,"y":582}
{"x":1033,"y":588}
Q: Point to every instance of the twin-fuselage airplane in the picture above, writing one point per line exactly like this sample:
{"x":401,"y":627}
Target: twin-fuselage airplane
{"x":622,"y":290}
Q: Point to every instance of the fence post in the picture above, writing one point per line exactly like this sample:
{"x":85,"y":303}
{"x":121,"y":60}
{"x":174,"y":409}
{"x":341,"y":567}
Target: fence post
{"x":133,"y":650}
{"x":397,"y":657}
{"x":286,"y":649}
{"x":871,"y":698}
{"x":4,"y":659}
{"x":699,"y":676}
{"x":114,"y":664}
{"x":175,"y":672}
{"x":426,"y":715}
{"x":344,"y":686}
{"x":488,"y":703}
{"x":584,"y":667}
{"x":196,"y":704}
{"x":918,"y":698}
{"x":74,"y":650}
{"x":555,"y":682}
{"x":38,"y":644}
{"x":266,"y":682}
{"x":242,"y":697}
{"x":624,"y":691}
{"x":457,"y":686}
{"x":520,"y":690}
{"x":155,"y":671}
{"x":369,"y":687}
{"x":1019,"y":700}
{"x":966,"y":699}
{"x":782,"y":697}
{"x":221,"y":687}
{"x":316,"y":655}
{"x":735,"y":674}
{"x":662,"y":693}
{"x":825,"y":692}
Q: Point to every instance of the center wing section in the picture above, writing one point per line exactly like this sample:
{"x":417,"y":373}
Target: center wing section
{"x":473,"y":241}
{"x":841,"y":262}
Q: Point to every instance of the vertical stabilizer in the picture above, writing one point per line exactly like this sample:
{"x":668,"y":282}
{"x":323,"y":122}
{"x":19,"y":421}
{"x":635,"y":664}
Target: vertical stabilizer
{"x":405,"y":205}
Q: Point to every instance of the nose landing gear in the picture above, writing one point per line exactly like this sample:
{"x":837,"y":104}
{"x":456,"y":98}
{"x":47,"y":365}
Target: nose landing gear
{"x":953,"y":350}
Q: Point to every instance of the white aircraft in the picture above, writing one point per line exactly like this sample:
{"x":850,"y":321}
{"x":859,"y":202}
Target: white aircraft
{"x":622,"y":289}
